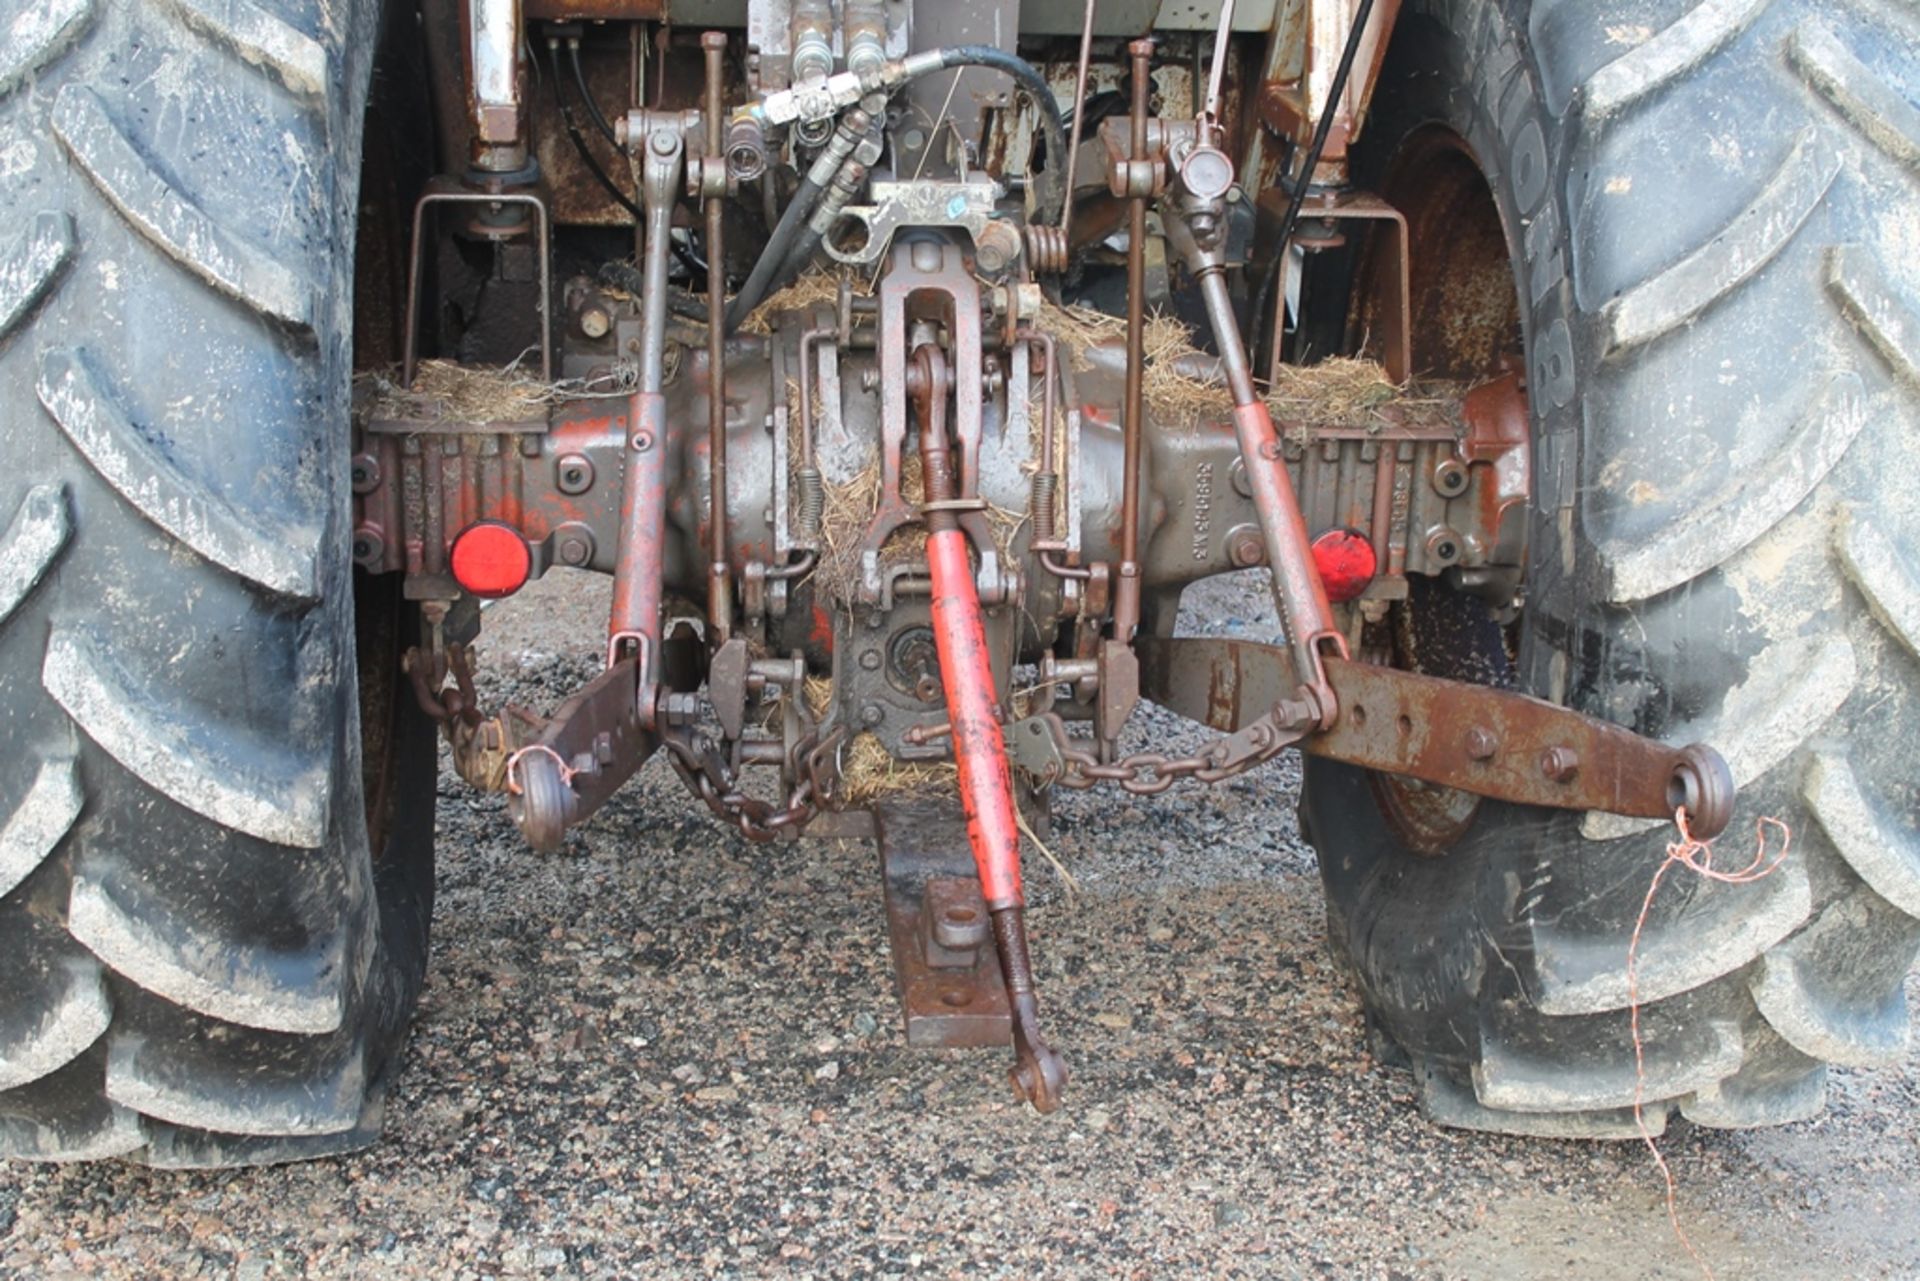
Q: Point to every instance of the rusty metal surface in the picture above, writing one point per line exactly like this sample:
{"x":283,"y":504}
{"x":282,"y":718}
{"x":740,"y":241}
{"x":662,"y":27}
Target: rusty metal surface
{"x":638,"y":584}
{"x":417,"y":482}
{"x":1386,"y":290}
{"x":594,"y":10}
{"x":1126,"y":597}
{"x":951,"y":995}
{"x":574,"y":195}
{"x":1480,"y":740}
{"x":719,"y":553}
{"x":944,"y":113}
{"x":591,"y":744}
{"x":1462,"y":307}
{"x":443,"y":191}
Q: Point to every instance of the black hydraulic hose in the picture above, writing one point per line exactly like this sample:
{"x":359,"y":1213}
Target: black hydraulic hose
{"x":813,"y":184}
{"x":579,"y":140}
{"x":696,"y":265}
{"x":780,"y":245}
{"x":1264,"y":302}
{"x":1053,"y":192}
{"x":600,"y":121}
{"x":851,"y":177}
{"x":798,"y":210}
{"x":795,"y":260}
{"x":692,"y":262}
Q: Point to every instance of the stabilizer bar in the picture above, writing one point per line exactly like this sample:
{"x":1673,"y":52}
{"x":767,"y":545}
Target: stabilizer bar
{"x":1486,"y":741}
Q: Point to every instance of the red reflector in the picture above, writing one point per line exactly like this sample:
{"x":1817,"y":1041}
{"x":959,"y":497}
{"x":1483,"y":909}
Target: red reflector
{"x":491,"y":559}
{"x":1346,"y":562}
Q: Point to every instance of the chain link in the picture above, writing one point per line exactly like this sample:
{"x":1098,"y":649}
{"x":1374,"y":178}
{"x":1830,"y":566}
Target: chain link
{"x":1150,"y":773}
{"x":710,"y":775}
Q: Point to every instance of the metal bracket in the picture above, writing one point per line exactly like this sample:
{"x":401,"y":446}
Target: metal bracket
{"x":1395,"y":306}
{"x":970,"y":204}
{"x":591,"y":745}
{"x":444,"y":190}
{"x":1485,"y":741}
{"x":952,"y":994}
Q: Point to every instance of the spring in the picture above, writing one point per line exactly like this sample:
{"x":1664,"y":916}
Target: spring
{"x":813,"y":503}
{"x":1046,"y":248}
{"x":1040,"y":505}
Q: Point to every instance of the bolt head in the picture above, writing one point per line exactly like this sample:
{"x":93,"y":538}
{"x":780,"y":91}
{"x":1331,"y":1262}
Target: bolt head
{"x":573,"y":474}
{"x":1560,"y":764}
{"x":1481,"y":743}
{"x":872,"y":714}
{"x":574,"y":550}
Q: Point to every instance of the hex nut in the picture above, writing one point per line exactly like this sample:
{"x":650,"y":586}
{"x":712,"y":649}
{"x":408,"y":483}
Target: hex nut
{"x":1560,"y":764}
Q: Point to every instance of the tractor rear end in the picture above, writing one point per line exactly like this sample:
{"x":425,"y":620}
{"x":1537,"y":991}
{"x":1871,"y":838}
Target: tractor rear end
{"x":901,"y":368}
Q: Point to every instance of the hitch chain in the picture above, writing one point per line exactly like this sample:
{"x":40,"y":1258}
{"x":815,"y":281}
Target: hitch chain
{"x":1042,"y":747}
{"x":484,"y":747}
{"x":710,"y":775}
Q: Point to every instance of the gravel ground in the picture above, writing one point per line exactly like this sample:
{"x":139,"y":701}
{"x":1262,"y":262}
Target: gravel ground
{"x":667,"y":1052}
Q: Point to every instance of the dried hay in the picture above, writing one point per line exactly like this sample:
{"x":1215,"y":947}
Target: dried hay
{"x":446,"y":391}
{"x":1182,"y":385}
{"x":810,"y":290}
{"x":869,"y":771}
{"x":819,"y":696}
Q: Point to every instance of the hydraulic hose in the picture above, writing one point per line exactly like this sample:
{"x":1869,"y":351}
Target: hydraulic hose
{"x":853,"y":126}
{"x":779,"y":247}
{"x":846,"y":184}
{"x":1053,"y":191}
{"x":600,"y":120}
{"x":580,"y":143}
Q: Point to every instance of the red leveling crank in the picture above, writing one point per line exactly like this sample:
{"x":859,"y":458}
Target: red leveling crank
{"x":1039,"y":1074}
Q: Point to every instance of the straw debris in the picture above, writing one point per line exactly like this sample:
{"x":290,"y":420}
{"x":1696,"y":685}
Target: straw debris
{"x":810,"y":290}
{"x":445,"y":391}
{"x":868,"y":771}
{"x":1184,"y":385}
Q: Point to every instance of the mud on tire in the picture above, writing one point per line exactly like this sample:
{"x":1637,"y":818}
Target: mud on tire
{"x":204,"y":956}
{"x":1710,"y":220}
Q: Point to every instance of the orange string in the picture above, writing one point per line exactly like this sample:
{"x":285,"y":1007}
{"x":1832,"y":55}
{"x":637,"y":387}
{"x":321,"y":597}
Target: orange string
{"x":1697,"y":856}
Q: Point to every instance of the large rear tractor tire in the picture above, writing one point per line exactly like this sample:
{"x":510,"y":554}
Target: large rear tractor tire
{"x":215,"y":804}
{"x":1705,"y":225}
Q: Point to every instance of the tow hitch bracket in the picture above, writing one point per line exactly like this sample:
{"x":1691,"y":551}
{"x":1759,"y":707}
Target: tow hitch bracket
{"x":1489,"y":742}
